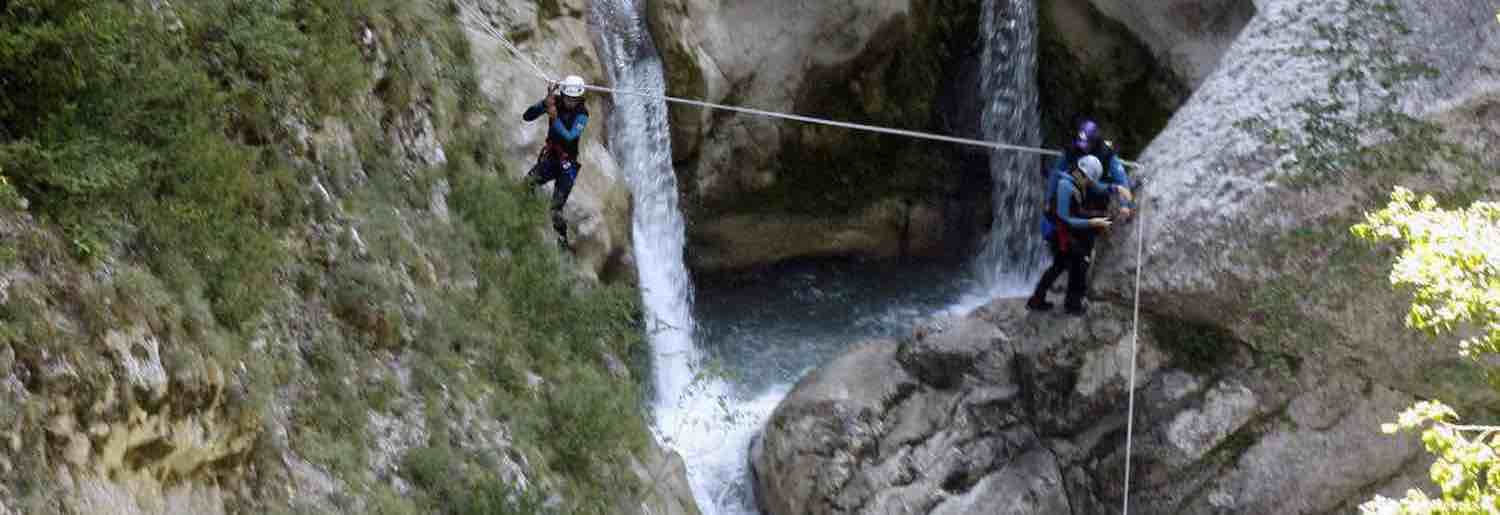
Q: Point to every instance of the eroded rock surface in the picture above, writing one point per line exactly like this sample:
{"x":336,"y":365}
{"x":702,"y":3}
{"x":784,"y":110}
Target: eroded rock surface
{"x":1009,"y":412}
{"x":811,"y":190}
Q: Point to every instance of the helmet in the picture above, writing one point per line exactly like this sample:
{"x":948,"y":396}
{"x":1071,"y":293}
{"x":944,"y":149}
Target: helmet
{"x":573,"y":86}
{"x":1088,"y":132}
{"x":1091,"y":167}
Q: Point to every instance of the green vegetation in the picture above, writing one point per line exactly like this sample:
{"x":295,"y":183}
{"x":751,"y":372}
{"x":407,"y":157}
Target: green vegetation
{"x":1450,"y":261}
{"x":164,"y":147}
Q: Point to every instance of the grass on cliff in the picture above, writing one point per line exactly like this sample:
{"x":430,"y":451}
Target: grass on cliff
{"x":163,"y":146}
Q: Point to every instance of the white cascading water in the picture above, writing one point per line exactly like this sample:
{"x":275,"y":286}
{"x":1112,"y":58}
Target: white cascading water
{"x":640,"y":140}
{"x":691,"y":409}
{"x":1012,"y":252}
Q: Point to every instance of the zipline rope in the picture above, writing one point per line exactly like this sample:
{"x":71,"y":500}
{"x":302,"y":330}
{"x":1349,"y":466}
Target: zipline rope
{"x":478,"y":21}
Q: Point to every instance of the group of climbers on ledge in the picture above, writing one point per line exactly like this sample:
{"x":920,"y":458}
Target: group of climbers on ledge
{"x":1076,"y":210}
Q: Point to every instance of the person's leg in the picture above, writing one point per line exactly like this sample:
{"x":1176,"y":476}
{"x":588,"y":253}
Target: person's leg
{"x":1078,"y":275}
{"x":561,"y":190}
{"x":1038,"y":300}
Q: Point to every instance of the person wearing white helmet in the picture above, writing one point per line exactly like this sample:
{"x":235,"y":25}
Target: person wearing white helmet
{"x":558,"y":160}
{"x":1072,"y":235}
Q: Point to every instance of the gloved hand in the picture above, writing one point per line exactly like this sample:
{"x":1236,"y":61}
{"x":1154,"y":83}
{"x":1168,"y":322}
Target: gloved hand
{"x":551,"y":101}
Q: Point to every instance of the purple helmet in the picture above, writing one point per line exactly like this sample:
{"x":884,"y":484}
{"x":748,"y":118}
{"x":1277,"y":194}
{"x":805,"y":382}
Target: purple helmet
{"x":1088,"y":132}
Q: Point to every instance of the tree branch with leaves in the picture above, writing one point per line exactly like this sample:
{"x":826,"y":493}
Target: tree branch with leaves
{"x":1450,"y":259}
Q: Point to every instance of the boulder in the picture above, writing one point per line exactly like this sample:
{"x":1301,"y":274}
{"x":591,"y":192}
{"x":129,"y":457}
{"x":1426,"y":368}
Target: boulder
{"x":918,"y":426}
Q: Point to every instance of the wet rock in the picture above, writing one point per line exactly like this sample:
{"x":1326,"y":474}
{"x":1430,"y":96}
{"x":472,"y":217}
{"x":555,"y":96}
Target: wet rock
{"x":944,"y":355}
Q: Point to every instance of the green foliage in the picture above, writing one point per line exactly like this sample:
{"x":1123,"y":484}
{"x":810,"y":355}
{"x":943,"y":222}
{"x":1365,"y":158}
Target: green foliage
{"x":137,"y":128}
{"x":1451,"y":262}
{"x":456,"y":489}
{"x":1467,"y":468}
{"x":161,"y":140}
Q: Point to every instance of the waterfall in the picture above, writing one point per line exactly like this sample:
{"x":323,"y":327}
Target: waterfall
{"x":1008,"y":85}
{"x":640,"y":141}
{"x":689,"y":407}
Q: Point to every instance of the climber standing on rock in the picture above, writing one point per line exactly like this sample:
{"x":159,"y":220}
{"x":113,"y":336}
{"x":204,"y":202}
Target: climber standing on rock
{"x":1072,"y":230}
{"x":1090,"y":142}
{"x":558,"y":161}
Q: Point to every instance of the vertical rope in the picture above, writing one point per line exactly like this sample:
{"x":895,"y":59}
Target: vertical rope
{"x":1140,"y":251}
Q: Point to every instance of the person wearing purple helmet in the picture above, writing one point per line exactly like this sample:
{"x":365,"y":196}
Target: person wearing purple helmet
{"x":1090,"y":142}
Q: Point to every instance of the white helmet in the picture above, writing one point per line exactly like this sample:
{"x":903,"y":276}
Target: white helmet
{"x":573,"y":86}
{"x":1091,"y":167}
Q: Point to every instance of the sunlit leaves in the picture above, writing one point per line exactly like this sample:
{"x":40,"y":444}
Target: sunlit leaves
{"x":1451,"y":261}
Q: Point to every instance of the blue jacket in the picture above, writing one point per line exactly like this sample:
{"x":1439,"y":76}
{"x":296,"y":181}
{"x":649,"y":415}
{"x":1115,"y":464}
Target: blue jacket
{"x":565,"y":129}
{"x":1066,"y":190}
{"x":1061,"y":191}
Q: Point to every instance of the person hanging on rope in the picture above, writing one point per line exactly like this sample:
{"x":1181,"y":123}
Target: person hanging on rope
{"x":1071,"y":239}
{"x":1090,"y":142}
{"x":558,"y":160}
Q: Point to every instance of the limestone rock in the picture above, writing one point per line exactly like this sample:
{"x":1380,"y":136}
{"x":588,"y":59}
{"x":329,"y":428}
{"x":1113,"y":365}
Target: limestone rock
{"x":739,"y":173}
{"x":665,"y":476}
{"x":883,"y":429}
{"x":1189,"y":36}
{"x":1225,"y":409}
{"x":1203,"y":206}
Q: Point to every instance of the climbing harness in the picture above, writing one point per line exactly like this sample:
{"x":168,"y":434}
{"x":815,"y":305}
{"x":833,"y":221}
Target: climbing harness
{"x":477,"y":21}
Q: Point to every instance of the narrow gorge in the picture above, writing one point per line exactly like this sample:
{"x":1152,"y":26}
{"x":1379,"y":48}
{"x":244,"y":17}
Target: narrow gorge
{"x":282,"y":256}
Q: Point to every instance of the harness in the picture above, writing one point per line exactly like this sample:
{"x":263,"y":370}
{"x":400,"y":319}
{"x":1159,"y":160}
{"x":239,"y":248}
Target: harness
{"x":1061,"y":232}
{"x":557,"y":149}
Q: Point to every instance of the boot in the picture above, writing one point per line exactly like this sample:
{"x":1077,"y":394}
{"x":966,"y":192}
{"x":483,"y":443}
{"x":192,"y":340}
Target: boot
{"x":1038,"y":303}
{"x":561,"y":226}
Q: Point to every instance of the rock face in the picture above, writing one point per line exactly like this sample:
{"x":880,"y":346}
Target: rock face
{"x":1270,"y":349}
{"x":1095,"y":63}
{"x":1188,"y":35}
{"x":1008,"y":412}
{"x":1205,"y":200}
{"x":884,"y":62}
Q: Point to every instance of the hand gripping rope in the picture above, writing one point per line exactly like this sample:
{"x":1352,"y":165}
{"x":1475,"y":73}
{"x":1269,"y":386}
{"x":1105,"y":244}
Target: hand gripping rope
{"x":477,"y":21}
